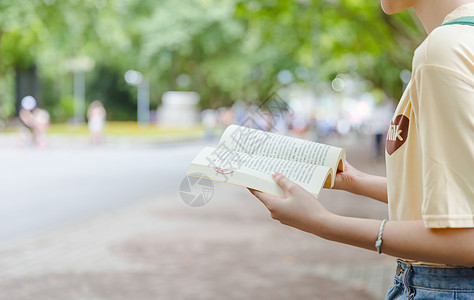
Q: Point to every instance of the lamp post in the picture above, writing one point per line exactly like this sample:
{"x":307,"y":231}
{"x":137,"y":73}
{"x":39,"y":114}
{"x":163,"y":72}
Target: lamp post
{"x":136,"y":78}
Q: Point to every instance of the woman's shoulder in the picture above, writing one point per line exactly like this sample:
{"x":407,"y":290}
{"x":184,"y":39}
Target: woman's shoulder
{"x":450,"y":46}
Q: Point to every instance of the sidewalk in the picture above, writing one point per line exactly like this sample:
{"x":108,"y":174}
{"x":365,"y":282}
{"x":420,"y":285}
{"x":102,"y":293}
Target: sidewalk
{"x":228,"y":249}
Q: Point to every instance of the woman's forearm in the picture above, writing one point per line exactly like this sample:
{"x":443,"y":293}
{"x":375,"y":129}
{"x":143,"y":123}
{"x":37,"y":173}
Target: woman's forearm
{"x":371,"y":186}
{"x":405,"y":239}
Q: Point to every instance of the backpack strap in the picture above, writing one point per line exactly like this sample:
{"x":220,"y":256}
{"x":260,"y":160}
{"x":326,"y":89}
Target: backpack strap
{"x":461,"y":21}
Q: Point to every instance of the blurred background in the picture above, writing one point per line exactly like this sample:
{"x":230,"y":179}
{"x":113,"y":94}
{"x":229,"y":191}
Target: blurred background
{"x":104,"y":103}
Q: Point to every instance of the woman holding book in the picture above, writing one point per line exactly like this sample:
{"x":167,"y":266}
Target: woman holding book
{"x":430,"y":161}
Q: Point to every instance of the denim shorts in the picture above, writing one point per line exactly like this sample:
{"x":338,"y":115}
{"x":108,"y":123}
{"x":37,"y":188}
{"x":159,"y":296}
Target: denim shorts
{"x":427,"y":282}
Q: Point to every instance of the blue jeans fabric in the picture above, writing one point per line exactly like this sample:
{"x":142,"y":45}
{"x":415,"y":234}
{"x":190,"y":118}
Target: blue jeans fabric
{"x":426,"y":282}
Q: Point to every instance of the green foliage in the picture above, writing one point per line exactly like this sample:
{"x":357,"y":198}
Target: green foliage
{"x":230,"y":49}
{"x":107,"y":85}
{"x":65,"y":110}
{"x":7,"y":104}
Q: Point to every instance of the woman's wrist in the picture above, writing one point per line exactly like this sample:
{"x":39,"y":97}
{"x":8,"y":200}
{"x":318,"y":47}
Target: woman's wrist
{"x":359,"y":183}
{"x":321,"y":224}
{"x":354,"y":182}
{"x":368,"y":185}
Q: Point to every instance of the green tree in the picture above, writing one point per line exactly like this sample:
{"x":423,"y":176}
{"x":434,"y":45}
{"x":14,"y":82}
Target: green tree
{"x":229,"y":49}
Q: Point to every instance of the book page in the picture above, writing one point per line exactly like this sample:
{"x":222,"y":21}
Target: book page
{"x":263,"y":143}
{"x":255,"y":171}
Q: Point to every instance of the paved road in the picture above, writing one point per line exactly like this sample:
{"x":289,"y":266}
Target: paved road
{"x":161,"y":248}
{"x":46,"y":189}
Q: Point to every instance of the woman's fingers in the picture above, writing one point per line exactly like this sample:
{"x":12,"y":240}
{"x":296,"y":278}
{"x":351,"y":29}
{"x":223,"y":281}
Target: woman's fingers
{"x":263,"y":197}
{"x":282,"y":181}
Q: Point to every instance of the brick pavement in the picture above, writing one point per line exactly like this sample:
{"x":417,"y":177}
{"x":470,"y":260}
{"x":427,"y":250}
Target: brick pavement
{"x":228,"y":249}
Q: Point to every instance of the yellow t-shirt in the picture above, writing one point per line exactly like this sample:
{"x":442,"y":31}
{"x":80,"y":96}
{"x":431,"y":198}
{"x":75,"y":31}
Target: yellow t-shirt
{"x":430,"y":143}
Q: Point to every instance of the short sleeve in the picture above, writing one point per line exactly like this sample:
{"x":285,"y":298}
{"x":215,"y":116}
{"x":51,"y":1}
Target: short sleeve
{"x":444,"y":107}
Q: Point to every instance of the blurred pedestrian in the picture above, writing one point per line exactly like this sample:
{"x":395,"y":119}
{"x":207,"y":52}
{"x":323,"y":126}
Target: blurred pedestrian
{"x":96,"y":122}
{"x":36,"y":121}
{"x":226,"y":117}
{"x":298,"y":125}
{"x":379,"y":123}
{"x":27,"y":133}
{"x":240,"y":111}
{"x":209,"y":121}
{"x":41,"y":125}
{"x":28,"y":103}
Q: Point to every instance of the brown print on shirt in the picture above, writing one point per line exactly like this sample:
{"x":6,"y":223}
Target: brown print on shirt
{"x":397,"y":133}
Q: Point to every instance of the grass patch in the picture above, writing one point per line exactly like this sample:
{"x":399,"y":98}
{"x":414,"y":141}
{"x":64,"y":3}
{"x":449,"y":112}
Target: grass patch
{"x":123,"y":129}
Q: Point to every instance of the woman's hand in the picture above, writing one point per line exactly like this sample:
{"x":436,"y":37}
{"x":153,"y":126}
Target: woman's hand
{"x":347,"y":179}
{"x":357,"y":182}
{"x":297,"y":208}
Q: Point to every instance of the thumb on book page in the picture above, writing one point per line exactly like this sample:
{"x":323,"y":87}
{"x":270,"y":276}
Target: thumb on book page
{"x":282,"y":181}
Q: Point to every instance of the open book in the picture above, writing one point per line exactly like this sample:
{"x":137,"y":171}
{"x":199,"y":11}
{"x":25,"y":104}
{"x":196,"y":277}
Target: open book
{"x":247,"y":157}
